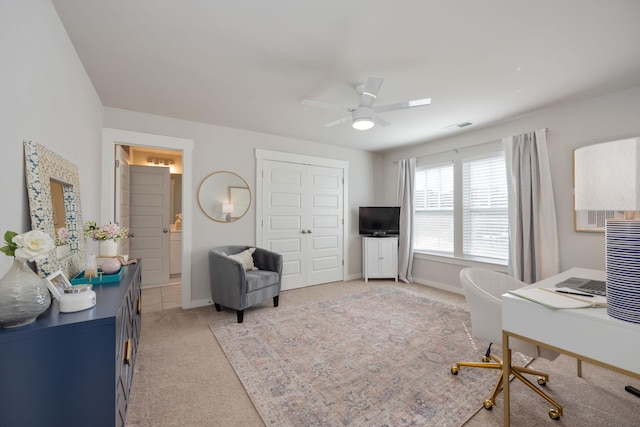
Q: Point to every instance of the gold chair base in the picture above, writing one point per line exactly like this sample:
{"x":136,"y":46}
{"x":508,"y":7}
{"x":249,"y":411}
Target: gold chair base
{"x":494,"y":362}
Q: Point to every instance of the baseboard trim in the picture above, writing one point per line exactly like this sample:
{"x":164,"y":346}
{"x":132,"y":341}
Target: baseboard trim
{"x":442,"y":286}
{"x":353,"y":277}
{"x":199,"y":303}
{"x":162,"y":285}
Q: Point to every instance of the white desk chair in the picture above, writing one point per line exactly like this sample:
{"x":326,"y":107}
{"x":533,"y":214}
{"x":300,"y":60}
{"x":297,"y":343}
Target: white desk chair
{"x":483,"y":289}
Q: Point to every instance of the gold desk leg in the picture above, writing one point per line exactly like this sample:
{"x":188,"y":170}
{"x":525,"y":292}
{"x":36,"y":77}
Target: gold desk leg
{"x":506,"y":366}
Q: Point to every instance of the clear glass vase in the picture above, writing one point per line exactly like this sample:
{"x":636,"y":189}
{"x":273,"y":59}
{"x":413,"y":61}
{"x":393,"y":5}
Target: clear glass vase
{"x":23,"y":295}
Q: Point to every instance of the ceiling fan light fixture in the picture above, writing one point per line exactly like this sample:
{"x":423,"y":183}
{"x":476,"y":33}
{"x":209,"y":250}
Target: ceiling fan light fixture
{"x":363,"y":124}
{"x":362,"y":118}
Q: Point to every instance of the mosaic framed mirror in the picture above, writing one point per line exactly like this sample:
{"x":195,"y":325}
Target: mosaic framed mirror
{"x":53,"y":189}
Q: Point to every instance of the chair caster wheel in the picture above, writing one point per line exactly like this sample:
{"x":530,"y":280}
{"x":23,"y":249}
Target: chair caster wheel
{"x":554,"y":414}
{"x":454,"y":370}
{"x":542,"y":381}
{"x":488,"y":404}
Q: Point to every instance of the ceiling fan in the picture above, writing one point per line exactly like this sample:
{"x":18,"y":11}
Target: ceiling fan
{"x":365,"y":114}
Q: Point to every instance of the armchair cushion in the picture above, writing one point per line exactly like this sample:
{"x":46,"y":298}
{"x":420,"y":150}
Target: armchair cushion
{"x":245,"y":258}
{"x":259,"y":279}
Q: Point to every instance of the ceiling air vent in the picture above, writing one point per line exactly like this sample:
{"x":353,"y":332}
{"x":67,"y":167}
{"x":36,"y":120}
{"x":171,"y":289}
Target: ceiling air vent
{"x":456,"y":126}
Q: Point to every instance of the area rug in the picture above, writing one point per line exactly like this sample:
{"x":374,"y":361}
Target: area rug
{"x":378,"y":358}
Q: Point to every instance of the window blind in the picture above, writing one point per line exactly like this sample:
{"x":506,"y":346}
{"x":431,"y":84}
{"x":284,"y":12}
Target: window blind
{"x":434,"y":203}
{"x":485,"y":208}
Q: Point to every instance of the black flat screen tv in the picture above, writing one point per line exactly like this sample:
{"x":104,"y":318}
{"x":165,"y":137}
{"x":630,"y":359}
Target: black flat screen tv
{"x":379,"y":221}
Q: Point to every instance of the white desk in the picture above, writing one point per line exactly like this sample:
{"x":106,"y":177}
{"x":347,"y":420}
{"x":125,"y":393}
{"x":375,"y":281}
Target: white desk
{"x":588,"y":334}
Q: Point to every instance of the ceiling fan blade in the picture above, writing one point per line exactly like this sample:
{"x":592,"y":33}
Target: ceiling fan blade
{"x":370,"y":91}
{"x":403,"y":105}
{"x":380,"y":121}
{"x":339,"y":121}
{"x":326,"y":105}
{"x":373,"y":85}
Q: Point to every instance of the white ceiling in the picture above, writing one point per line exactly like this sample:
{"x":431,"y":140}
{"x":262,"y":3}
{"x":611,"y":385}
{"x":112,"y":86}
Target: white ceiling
{"x":248,"y":64}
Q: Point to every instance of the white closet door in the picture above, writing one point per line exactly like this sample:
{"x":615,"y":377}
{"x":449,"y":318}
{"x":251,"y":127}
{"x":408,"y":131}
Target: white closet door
{"x":302,"y":220}
{"x":282,"y":213}
{"x":324,"y":225}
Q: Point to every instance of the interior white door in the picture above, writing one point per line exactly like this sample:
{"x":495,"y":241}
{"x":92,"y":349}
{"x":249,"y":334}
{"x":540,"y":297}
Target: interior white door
{"x":283,"y":216}
{"x":324,"y":224}
{"x":122,"y":194}
{"x":302,"y":220}
{"x":149,"y":217}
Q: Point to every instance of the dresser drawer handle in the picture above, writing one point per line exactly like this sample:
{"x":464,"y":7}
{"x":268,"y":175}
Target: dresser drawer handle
{"x":127,"y":352}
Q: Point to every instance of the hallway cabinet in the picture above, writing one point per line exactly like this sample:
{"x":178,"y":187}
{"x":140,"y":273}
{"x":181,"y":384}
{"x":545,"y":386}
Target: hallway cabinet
{"x":175,"y":252}
{"x":380,"y":258}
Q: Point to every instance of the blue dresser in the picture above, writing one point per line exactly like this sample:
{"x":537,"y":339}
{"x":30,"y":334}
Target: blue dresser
{"x":73,"y":369}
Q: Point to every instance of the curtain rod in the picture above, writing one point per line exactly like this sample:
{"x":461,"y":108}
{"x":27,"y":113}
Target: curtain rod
{"x":457,"y":150}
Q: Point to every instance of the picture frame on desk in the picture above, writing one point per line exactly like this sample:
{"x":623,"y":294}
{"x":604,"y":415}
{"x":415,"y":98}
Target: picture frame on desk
{"x":57,"y":282}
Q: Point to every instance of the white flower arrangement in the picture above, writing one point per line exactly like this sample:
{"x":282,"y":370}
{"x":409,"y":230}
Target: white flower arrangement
{"x":108,"y":231}
{"x":32,"y":245}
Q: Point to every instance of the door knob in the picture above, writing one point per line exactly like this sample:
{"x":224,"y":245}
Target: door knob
{"x":164,"y":230}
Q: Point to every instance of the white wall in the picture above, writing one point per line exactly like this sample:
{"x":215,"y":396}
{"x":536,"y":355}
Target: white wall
{"x":219,"y":148}
{"x":46,"y":97}
{"x":609,"y":117}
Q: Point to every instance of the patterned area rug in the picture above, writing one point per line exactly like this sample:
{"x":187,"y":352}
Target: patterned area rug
{"x":379,"y":358}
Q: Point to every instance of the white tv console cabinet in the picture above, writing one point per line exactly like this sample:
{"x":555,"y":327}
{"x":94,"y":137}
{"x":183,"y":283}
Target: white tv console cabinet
{"x":379,"y":258}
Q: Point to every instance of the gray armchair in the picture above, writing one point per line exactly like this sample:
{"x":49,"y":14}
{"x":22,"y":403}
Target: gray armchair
{"x":234,"y":287}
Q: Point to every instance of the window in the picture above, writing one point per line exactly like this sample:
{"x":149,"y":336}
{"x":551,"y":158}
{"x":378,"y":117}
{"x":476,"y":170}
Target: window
{"x":485,"y":208}
{"x":434,"y":208}
{"x":461,"y":204}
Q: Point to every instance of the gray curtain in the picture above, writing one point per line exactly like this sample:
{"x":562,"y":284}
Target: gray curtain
{"x":533,"y":232}
{"x":406,"y":178}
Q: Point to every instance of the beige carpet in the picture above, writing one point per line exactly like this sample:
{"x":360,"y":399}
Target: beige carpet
{"x":183,"y":378}
{"x":373,"y":358}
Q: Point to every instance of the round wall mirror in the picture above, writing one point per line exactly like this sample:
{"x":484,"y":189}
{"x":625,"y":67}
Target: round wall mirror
{"x":224,"y":196}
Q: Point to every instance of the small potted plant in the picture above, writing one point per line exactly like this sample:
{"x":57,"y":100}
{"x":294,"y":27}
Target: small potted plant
{"x":107,"y":236}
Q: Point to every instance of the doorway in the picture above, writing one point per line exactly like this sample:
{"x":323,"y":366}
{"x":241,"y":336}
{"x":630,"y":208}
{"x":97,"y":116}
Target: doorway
{"x":156,"y":213}
{"x":154,"y":144}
